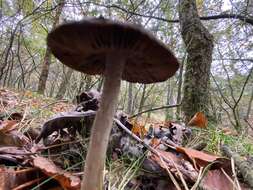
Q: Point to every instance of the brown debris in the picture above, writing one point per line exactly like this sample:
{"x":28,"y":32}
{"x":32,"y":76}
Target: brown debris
{"x":66,"y":179}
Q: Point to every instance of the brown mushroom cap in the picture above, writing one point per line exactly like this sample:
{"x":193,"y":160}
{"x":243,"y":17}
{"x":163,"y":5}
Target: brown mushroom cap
{"x":84,"y":45}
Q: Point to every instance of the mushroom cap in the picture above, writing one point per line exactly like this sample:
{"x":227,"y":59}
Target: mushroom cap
{"x":83,"y":46}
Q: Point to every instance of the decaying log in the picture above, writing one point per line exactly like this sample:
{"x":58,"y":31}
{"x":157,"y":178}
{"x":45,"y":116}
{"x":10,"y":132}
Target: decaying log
{"x":63,"y":120}
{"x":245,"y":168}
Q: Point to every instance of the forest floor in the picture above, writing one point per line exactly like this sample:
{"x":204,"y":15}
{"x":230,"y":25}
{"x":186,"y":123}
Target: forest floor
{"x":139,"y":161}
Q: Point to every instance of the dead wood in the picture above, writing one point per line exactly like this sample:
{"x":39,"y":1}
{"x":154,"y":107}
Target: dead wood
{"x":154,"y":109}
{"x":245,"y":168}
{"x":188,"y":175}
{"x":63,"y":120}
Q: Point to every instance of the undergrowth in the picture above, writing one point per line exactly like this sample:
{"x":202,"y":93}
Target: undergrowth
{"x":215,"y":137}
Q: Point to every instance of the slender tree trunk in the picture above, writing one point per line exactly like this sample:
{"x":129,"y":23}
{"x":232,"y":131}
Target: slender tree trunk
{"x":64,"y":84}
{"x":47,"y":58}
{"x":130,"y":98}
{"x":179,"y":89}
{"x":88,"y":83}
{"x":199,"y":46}
{"x":100,"y":84}
{"x":250,"y":104}
{"x":168,"y":100}
{"x":142,"y":98}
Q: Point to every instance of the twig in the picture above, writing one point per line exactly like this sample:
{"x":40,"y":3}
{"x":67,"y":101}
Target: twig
{"x":61,"y":144}
{"x":248,"y":123}
{"x":170,"y":174}
{"x":200,"y":176}
{"x":26,"y":170}
{"x":211,"y":17}
{"x":189,"y":175}
{"x":229,"y":178}
{"x":29,"y":183}
{"x":234,"y":174}
{"x":55,"y":102}
{"x":243,"y":166}
{"x":154,"y":109}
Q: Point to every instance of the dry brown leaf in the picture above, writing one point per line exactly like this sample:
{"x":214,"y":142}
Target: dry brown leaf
{"x":139,"y":130}
{"x":13,"y":138}
{"x":169,"y":155}
{"x":229,"y":131}
{"x":8,"y":125}
{"x":66,"y":179}
{"x":216,"y":180}
{"x":201,"y":159}
{"x":7,"y":99}
{"x":11,"y":178}
{"x":155,"y":142}
{"x":199,"y":120}
{"x":175,"y":163}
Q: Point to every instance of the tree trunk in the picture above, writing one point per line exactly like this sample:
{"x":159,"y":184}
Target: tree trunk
{"x":249,"y":105}
{"x":168,"y":112}
{"x":64,"y":84}
{"x":199,"y":47}
{"x":100,"y":84}
{"x":179,"y":89}
{"x":142,"y":101}
{"x":130,"y":98}
{"x":47,"y":58}
{"x":88,"y":83}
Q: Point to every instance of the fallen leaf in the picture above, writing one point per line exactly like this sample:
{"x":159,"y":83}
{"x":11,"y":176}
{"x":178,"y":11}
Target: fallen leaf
{"x":13,"y":138}
{"x":229,"y":131}
{"x":199,"y":120}
{"x":66,"y":179}
{"x":139,"y":130}
{"x":216,"y":180}
{"x":11,"y":178}
{"x":201,"y":159}
{"x":173,"y":163}
{"x":8,"y":125}
{"x":155,"y":142}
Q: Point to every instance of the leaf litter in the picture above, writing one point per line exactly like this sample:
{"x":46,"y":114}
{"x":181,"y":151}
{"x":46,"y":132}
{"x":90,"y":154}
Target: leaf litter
{"x":28,"y":162}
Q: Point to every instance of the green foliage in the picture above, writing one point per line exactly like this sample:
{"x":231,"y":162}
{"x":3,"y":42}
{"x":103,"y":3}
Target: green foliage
{"x":121,"y":171}
{"x":215,"y":137}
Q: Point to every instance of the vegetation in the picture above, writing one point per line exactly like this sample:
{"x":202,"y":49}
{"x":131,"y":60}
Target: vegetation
{"x":213,"y":41}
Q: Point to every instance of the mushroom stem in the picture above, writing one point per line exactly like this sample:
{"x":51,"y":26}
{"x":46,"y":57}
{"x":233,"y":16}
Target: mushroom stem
{"x":95,"y":160}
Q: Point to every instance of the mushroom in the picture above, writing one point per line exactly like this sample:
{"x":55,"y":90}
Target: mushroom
{"x":117,"y":51}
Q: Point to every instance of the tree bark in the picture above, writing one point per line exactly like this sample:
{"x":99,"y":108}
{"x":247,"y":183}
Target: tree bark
{"x":179,"y":89}
{"x":249,"y":104}
{"x":168,"y":112}
{"x":142,"y":101}
{"x":130,"y":98}
{"x":199,"y":47}
{"x":64,"y":84}
{"x":47,"y":58}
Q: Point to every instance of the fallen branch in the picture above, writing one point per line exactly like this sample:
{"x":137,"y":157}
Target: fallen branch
{"x":29,"y":183}
{"x":190,"y":175}
{"x":243,"y":166}
{"x":154,"y":109}
{"x":248,"y":123}
{"x":242,"y":18}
